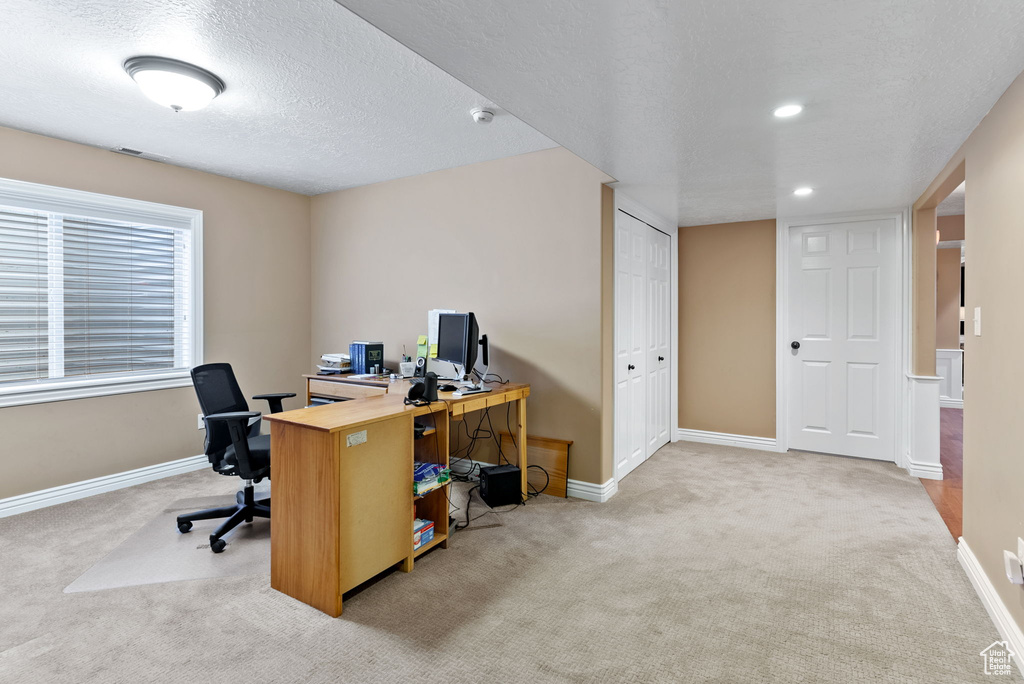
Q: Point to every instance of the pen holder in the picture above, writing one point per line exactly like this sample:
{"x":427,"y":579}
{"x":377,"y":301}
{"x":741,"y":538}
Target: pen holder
{"x":407,"y":368}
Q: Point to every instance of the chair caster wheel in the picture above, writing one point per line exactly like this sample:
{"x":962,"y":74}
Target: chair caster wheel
{"x":217,"y":545}
{"x":184,"y":527}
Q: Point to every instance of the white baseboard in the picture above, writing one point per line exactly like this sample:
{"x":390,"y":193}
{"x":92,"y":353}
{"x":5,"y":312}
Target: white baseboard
{"x":744,"y":441}
{"x":945,"y":402}
{"x":925,"y":471}
{"x":1004,"y":622}
{"x":590,"y":491}
{"x":98,"y":485}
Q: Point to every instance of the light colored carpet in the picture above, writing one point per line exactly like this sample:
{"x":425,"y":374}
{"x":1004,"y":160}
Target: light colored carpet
{"x":711,"y":565}
{"x":159,"y":553}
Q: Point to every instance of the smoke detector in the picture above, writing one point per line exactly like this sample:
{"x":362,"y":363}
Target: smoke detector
{"x":482,"y":116}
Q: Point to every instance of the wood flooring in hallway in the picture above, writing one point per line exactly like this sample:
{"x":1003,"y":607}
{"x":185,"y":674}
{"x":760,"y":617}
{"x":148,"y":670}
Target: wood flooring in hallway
{"x":947,"y":494}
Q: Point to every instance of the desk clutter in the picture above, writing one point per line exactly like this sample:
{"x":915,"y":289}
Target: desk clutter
{"x":426,"y":477}
{"x":422,"y":533}
{"x":334,"y":364}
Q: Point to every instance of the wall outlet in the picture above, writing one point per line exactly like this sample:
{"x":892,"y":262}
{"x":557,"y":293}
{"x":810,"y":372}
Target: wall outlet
{"x":977,"y":321}
{"x":202,"y":425}
{"x":1020,"y":547}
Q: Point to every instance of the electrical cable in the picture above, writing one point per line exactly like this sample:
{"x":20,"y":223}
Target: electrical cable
{"x":494,"y":435}
{"x":499,"y":381}
{"x":469,"y":501}
{"x":537,"y":492}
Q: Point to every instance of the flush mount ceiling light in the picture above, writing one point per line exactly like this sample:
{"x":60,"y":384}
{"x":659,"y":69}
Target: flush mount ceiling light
{"x":803,"y":192}
{"x":172,"y":83}
{"x":786,"y":111}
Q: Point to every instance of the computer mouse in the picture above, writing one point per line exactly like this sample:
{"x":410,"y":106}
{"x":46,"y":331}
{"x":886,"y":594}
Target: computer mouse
{"x":447,"y":388}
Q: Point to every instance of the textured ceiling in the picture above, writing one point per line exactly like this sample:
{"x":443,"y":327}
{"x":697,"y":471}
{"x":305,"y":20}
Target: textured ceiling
{"x":953,"y":205}
{"x":674,"y":97}
{"x":316,"y":99}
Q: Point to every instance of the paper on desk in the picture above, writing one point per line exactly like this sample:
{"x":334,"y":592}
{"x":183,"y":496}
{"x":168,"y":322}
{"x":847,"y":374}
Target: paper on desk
{"x":433,"y":320}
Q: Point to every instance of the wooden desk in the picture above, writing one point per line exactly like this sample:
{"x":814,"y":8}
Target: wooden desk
{"x":346,"y":387}
{"x":342,"y":487}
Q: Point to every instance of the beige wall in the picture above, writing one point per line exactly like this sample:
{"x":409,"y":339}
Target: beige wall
{"x":993,"y":157}
{"x":947,"y":299}
{"x":727,"y":328}
{"x":607,"y":332}
{"x":947,"y":284}
{"x":951,"y":227}
{"x":257,"y":315}
{"x":923,"y":289}
{"x":518,"y":241}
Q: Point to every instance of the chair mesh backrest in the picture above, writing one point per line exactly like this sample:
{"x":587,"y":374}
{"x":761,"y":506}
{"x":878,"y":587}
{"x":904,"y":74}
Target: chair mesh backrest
{"x":218,"y":392}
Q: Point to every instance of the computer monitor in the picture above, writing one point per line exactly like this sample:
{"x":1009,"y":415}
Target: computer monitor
{"x":458,"y":338}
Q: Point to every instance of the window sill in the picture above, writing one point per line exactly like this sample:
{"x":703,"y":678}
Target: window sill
{"x":88,"y":388}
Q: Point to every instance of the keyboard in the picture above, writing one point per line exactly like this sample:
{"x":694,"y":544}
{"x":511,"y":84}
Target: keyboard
{"x":464,"y":391}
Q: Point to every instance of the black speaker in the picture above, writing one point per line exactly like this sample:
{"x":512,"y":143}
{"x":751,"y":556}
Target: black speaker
{"x":421,"y":367}
{"x":500,"y":485}
{"x":430,"y":387}
{"x":423,"y":391}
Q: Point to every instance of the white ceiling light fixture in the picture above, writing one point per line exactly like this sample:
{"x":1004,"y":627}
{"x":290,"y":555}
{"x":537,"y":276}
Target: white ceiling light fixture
{"x":786,"y":111}
{"x":173,"y":83}
{"x":803,"y":192}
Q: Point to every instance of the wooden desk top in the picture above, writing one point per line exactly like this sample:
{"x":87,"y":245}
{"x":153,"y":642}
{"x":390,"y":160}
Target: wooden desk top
{"x":375,"y":381}
{"x":344,"y":415}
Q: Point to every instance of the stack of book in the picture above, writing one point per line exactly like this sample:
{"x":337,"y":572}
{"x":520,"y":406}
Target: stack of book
{"x":367,"y":357}
{"x":333,"y":364}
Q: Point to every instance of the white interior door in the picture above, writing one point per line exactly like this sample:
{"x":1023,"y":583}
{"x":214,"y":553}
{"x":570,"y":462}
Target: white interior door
{"x":630,"y":352}
{"x":841,"y":364}
{"x":658,"y":339}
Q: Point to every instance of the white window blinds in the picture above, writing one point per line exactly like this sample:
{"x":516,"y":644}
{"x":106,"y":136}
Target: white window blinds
{"x":86,"y":300}
{"x":124,"y":290}
{"x":24,"y":322}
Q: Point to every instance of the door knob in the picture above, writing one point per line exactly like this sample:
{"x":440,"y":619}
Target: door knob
{"x":661,"y":358}
{"x":795,"y":344}
{"x":630,"y":367}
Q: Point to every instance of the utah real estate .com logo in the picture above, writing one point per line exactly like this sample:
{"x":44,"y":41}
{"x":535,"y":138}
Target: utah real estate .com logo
{"x":997,"y":659}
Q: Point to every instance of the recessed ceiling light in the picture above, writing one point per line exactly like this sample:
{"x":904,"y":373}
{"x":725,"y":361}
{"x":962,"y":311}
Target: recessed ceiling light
{"x":803,"y":192}
{"x":174,"y":84}
{"x":786,"y":111}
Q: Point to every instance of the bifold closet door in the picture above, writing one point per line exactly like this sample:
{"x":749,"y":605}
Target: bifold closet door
{"x":630,"y":349}
{"x":658,"y":340}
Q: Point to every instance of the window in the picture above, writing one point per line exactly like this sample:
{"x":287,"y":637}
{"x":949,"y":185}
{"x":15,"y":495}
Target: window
{"x":98,"y":295}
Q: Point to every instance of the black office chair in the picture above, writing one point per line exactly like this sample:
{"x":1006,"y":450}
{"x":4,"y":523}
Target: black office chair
{"x":234,"y":446}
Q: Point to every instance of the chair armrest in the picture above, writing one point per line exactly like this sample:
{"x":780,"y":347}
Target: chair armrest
{"x":237,"y":416}
{"x":274,"y":400}
{"x":237,"y":424}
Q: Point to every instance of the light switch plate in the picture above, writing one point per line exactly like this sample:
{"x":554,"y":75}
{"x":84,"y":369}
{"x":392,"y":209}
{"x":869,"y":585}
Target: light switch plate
{"x":356,"y":438}
{"x":202,"y":425}
{"x":1014,"y":570}
{"x":977,"y":321}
